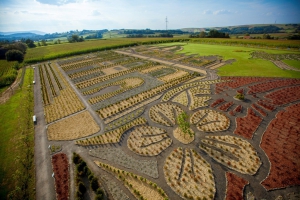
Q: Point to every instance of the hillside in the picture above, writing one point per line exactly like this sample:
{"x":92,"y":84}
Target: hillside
{"x":252,"y":28}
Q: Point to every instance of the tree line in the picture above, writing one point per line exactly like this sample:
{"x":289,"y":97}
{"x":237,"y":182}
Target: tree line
{"x":163,"y":35}
{"x":211,"y":34}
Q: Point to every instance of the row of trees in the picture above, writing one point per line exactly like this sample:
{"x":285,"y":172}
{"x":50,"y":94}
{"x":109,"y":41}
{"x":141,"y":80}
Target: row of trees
{"x":82,"y":170}
{"x":210,"y":34}
{"x":252,"y":30}
{"x":165,"y":35}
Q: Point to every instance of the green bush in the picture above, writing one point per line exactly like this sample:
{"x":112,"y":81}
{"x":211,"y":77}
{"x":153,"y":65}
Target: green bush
{"x":240,"y":96}
{"x":14,"y":55}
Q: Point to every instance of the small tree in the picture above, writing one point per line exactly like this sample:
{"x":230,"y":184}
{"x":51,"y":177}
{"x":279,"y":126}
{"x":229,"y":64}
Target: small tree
{"x":81,"y":187}
{"x":94,"y":184}
{"x":184,"y":125}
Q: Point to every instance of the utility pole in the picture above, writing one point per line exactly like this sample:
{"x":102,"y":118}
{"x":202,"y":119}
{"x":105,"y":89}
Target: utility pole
{"x":166,"y":23}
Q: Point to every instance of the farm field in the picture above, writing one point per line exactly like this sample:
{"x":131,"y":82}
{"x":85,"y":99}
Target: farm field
{"x":149,"y":128}
{"x":45,"y":53}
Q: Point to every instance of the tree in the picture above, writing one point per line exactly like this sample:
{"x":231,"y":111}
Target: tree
{"x":75,"y":38}
{"x":94,"y":184}
{"x":30,"y":43}
{"x":14,"y":55}
{"x":17,"y":46}
{"x":44,"y":43}
{"x":81,"y":187}
{"x":202,"y":34}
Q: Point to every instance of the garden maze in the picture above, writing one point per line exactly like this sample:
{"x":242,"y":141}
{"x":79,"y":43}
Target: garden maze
{"x":123,"y":113}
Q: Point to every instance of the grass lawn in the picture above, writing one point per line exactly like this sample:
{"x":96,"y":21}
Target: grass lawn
{"x":244,"y":65}
{"x":293,"y":63}
{"x":12,"y":123}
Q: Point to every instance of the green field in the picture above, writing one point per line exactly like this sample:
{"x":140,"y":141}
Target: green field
{"x":244,"y":65}
{"x":15,"y":126}
{"x":264,"y":43}
{"x":293,"y":63}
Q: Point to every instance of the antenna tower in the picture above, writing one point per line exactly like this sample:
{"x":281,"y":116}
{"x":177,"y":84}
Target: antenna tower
{"x":166,"y":23}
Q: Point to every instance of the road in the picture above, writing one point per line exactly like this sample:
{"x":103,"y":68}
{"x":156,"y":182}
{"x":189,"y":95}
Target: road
{"x":43,"y":170}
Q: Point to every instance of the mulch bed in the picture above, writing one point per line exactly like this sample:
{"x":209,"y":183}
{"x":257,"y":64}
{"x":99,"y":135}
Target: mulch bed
{"x":60,"y":167}
{"x":281,"y":144}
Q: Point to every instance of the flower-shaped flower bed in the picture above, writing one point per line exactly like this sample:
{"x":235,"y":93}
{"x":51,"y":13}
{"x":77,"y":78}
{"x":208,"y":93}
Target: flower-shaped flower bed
{"x":189,"y":175}
{"x":148,"y":140}
{"x":210,"y":121}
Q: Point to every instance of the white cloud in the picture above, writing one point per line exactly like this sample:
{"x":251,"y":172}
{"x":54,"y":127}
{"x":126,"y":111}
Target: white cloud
{"x":222,"y":12}
{"x":207,"y":12}
{"x":96,"y":13}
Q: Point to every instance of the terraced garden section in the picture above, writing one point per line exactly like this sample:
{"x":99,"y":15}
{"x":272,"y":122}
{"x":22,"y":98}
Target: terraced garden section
{"x":74,"y":127}
{"x":281,"y":143}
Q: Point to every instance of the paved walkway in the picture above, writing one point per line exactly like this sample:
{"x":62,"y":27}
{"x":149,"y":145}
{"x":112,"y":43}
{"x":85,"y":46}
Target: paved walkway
{"x":163,"y":61}
{"x":43,"y":169}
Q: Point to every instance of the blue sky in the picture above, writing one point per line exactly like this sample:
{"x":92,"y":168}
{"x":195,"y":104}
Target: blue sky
{"x":63,"y":15}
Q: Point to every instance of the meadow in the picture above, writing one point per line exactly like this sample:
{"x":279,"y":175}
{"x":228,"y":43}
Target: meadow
{"x":16,"y":133}
{"x":293,"y":63}
{"x":265,"y":43}
{"x":244,"y":64}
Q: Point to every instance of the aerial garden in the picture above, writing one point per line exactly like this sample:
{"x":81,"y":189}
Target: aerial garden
{"x":130,"y":126}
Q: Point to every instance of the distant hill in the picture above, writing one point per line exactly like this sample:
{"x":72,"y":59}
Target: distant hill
{"x":251,"y":29}
{"x":25,"y":32}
